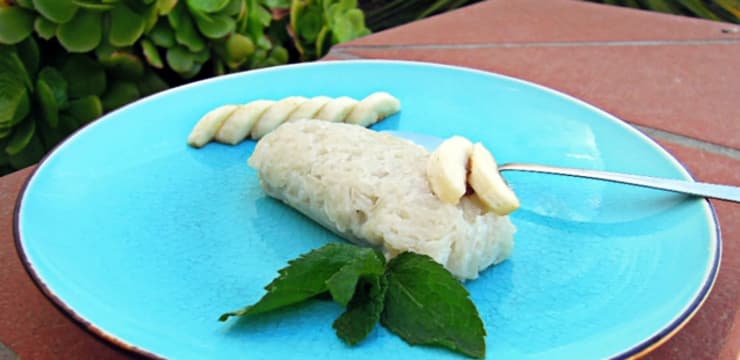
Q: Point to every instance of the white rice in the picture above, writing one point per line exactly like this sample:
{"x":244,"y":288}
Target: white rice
{"x":371,"y":188}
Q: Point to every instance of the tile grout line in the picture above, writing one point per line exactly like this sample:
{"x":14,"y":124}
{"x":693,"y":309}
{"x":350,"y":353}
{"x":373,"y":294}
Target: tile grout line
{"x":553,"y":44}
{"x":339,"y":54}
{"x":690,"y":142}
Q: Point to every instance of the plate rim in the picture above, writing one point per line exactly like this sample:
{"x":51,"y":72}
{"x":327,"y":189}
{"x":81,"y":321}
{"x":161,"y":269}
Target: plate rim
{"x":637,"y":350}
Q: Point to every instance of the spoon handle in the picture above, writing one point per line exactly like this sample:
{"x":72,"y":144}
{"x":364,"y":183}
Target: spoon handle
{"x":716,"y":191}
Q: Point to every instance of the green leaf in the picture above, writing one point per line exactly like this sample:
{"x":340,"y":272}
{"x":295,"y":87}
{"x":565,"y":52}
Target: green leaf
{"x":32,"y":150}
{"x":323,"y":41}
{"x":14,"y":89}
{"x":50,"y":136}
{"x":180,"y":59}
{"x":165,"y":6}
{"x":120,"y":93}
{"x":304,"y":278}
{"x":16,"y":24}
{"x":201,"y":56}
{"x":49,"y":106}
{"x":4,"y":134}
{"x":349,"y":25}
{"x":84,"y":76}
{"x":699,"y":9}
{"x":185,"y":32}
{"x":263,"y":16}
{"x":279,"y":54}
{"x":68,"y":124}
{"x":11,"y":66}
{"x":45,"y":29}
{"x":150,"y":83}
{"x":151,"y":17}
{"x":426,"y":305}
{"x":151,"y":54}
{"x":238,"y":48}
{"x":92,"y":5}
{"x":216,"y":26}
{"x":124,"y":65}
{"x":363,"y":312}
{"x":85,"y":109}
{"x":162,"y":35}
{"x":207,"y":5}
{"x":83,"y":33}
{"x":192,"y":72}
{"x":14,"y":101}
{"x":661,"y":5}
{"x":105,"y":50}
{"x":28,"y":4}
{"x":279,"y":4}
{"x":732,"y":7}
{"x":21,"y":137}
{"x":58,"y":11}
{"x":309,"y":23}
{"x":234,"y":8}
{"x":54,"y":79}
{"x":342,"y":284}
{"x":28,"y":52}
{"x":126,"y":26}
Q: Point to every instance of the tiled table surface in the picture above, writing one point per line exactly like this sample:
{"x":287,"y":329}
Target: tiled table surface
{"x":677,"y":79}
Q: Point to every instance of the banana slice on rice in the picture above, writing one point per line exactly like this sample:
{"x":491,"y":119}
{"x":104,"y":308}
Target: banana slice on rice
{"x":488,"y":184}
{"x":447,"y":169}
{"x":457,"y":163}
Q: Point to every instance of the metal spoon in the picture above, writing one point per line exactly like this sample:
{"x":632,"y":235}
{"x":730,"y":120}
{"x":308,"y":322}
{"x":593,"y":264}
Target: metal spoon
{"x":716,"y":191}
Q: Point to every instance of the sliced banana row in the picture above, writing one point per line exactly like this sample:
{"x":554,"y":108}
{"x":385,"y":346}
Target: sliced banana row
{"x":230,"y":124}
{"x":457,"y":163}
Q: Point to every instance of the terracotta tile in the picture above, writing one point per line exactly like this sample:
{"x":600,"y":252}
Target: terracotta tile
{"x":712,"y":326}
{"x":690,"y":90}
{"x":30,"y":325}
{"x":526,"y":21}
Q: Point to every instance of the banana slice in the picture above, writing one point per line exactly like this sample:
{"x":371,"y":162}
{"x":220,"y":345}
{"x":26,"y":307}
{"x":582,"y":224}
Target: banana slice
{"x":375,"y":107}
{"x":337,"y":109}
{"x":488,"y":184}
{"x":447,"y":169}
{"x":209,"y":125}
{"x":238,"y":125}
{"x":276,"y":115}
{"x":309,"y":109}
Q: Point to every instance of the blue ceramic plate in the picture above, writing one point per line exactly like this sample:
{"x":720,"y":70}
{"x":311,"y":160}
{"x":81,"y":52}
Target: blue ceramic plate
{"x":146,"y":241}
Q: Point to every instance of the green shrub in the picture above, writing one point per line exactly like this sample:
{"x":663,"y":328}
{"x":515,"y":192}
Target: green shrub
{"x":64,"y":63}
{"x":719,"y":10}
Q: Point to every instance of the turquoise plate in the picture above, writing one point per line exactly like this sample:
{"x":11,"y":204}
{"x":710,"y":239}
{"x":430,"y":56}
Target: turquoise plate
{"x":146,"y":241}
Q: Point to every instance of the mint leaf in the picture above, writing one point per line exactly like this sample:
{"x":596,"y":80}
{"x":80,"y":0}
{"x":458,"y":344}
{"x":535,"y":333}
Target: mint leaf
{"x":363,"y":312}
{"x":343,"y":283}
{"x":309,"y":276}
{"x":426,"y":305}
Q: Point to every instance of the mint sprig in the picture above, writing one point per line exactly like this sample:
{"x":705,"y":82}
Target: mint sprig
{"x":412,"y":295}
{"x":426,"y":305}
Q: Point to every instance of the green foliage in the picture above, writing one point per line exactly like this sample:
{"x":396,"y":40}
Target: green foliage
{"x":47,"y":93}
{"x":412,"y":295}
{"x":383,"y":14}
{"x":99,"y":55}
{"x":720,"y":10}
